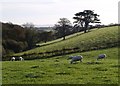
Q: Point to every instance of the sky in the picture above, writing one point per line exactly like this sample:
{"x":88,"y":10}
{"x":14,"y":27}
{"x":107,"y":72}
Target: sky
{"x":48,"y":12}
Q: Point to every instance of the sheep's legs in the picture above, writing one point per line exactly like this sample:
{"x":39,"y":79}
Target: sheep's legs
{"x":80,"y":60}
{"x":71,"y":62}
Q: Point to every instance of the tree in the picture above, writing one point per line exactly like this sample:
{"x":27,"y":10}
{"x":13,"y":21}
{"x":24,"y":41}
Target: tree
{"x":31,"y":38}
{"x":62,"y":27}
{"x":84,"y":18}
{"x":46,"y":36}
{"x":31,"y":35}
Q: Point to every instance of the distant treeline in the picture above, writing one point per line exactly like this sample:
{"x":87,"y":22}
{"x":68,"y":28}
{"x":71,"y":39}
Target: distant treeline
{"x":79,"y":29}
{"x":16,"y":38}
{"x":102,"y":26}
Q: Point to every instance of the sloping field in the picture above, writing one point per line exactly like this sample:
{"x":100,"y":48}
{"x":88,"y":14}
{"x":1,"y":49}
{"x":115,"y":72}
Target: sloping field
{"x":96,"y":39}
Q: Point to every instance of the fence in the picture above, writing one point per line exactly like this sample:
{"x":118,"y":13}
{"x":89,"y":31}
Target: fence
{"x":63,"y":51}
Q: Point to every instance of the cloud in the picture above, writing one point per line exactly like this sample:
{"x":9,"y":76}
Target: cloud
{"x":30,"y":1}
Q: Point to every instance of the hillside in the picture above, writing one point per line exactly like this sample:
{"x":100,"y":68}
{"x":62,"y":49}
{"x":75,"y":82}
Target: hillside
{"x":58,"y":70}
{"x":96,"y":39}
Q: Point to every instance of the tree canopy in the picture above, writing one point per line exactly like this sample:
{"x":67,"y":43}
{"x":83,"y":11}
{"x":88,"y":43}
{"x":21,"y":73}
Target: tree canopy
{"x":63,"y":27}
{"x":84,"y":18}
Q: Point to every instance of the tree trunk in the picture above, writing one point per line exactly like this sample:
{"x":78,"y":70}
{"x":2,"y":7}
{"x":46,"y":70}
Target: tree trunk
{"x":63,"y":37}
{"x":85,"y":31}
{"x":86,"y":27}
{"x":64,"y":32}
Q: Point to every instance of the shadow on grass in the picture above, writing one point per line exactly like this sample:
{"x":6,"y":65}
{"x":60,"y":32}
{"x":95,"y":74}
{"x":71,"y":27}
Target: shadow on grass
{"x":62,"y":73}
{"x":115,"y":66}
{"x":31,"y":75}
{"x":100,"y":69}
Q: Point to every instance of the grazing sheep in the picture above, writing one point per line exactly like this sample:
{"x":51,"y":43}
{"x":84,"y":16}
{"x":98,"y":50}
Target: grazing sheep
{"x":101,"y":56}
{"x":13,"y":59}
{"x":75,"y":58}
{"x":21,"y":58}
{"x":17,"y":58}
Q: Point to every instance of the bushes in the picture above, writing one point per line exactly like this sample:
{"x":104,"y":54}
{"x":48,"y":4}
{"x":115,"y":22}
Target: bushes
{"x":16,"y":38}
{"x":13,"y":45}
{"x":3,"y":50}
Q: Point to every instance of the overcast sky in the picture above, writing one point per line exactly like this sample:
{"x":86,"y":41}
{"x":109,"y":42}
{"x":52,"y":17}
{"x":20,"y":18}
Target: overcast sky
{"x":48,"y":12}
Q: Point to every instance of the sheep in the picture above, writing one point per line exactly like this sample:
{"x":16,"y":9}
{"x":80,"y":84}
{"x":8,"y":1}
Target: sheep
{"x":21,"y":58}
{"x":101,"y":56}
{"x":13,"y":59}
{"x":75,"y":58}
{"x":17,"y":58}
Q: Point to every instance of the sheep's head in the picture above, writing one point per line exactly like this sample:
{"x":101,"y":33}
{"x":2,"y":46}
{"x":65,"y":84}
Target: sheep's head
{"x":81,"y":57}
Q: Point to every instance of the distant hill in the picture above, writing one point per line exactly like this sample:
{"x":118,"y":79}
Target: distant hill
{"x":44,"y":28}
{"x":47,"y":27}
{"x":44,"y":25}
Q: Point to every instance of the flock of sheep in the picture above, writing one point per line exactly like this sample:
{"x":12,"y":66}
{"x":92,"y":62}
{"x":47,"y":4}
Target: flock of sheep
{"x":17,"y":58}
{"x":73,"y":58}
{"x":79,"y":58}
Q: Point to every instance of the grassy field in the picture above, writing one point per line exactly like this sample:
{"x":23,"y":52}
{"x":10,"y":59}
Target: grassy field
{"x":61,"y":39}
{"x":58,"y":70}
{"x":97,"y":38}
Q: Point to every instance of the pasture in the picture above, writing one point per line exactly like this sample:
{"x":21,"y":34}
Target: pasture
{"x":58,"y":70}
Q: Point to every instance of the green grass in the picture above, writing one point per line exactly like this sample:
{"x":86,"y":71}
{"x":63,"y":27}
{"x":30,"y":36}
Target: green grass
{"x":97,"y":38}
{"x":58,"y":70}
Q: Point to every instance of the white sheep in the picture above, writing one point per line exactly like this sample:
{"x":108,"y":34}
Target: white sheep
{"x":101,"y":56}
{"x":75,"y":58}
{"x":17,"y":58}
{"x":13,"y":59}
{"x":21,"y":58}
